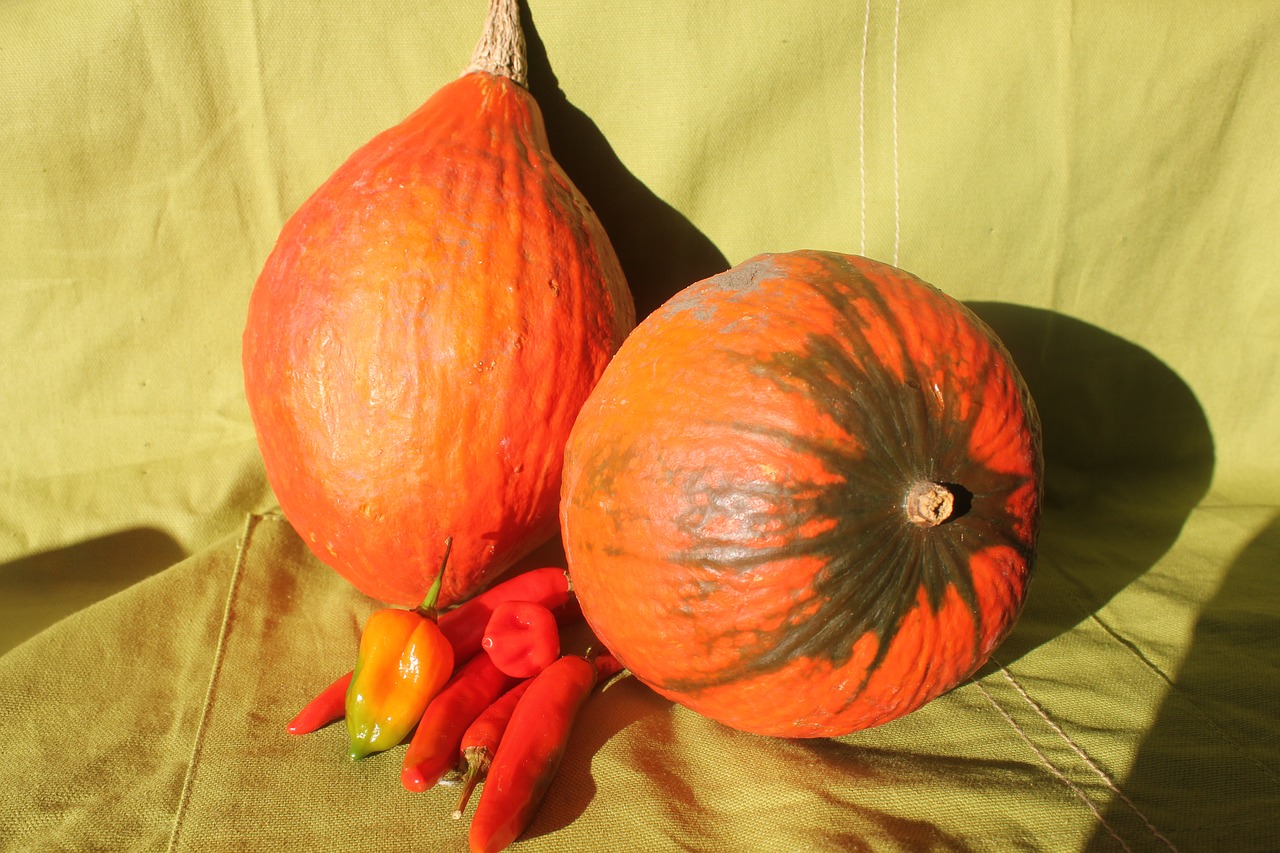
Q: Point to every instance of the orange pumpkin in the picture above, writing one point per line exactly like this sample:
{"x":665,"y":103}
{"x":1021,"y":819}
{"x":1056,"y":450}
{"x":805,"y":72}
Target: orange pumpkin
{"x":804,"y":497}
{"x":423,"y":334}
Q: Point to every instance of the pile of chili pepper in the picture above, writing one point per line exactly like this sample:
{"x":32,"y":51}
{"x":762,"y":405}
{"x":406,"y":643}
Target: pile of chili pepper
{"x":485,"y":688}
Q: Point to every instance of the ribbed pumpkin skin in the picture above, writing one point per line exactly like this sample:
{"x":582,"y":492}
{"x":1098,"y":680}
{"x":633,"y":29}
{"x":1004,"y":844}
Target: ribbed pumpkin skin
{"x":420,"y":340}
{"x":733,"y":498}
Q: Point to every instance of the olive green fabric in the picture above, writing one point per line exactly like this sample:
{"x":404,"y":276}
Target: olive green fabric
{"x":1098,"y":180}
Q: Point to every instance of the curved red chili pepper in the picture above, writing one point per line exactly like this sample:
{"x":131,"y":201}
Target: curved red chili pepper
{"x":481,"y":739}
{"x":529,"y":753}
{"x":522,"y":638}
{"x":465,"y":624}
{"x":329,"y":705}
{"x":433,"y":751}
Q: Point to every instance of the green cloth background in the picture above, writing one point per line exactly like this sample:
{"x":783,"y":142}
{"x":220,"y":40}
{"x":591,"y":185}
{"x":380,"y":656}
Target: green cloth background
{"x":1099,"y":180}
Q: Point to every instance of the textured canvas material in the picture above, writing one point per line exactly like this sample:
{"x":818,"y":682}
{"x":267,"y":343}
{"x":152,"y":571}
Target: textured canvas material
{"x":1097,"y":180}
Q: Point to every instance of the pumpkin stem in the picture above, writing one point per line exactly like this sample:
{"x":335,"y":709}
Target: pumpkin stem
{"x":929,"y":504}
{"x":501,"y":48}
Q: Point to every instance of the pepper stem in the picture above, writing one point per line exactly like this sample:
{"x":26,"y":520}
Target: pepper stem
{"x":501,"y":49}
{"x":427,"y":609}
{"x":478,"y":760}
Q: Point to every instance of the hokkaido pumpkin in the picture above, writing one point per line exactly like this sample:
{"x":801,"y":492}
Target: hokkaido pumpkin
{"x":804,"y":497}
{"x":423,"y":333}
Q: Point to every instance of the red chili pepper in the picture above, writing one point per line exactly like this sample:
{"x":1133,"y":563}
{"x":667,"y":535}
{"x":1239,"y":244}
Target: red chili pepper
{"x":529,"y":753}
{"x":480,"y":741}
{"x":433,"y":751}
{"x":465,"y":624}
{"x":522,"y":638}
{"x":607,"y":666}
{"x":329,"y":705}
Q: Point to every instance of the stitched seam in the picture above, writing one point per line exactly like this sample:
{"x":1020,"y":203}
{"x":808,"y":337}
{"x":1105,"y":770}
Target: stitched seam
{"x":862,"y":124}
{"x":1079,"y":751}
{"x":184,"y":798}
{"x":897,"y":196}
{"x":1075,"y":789}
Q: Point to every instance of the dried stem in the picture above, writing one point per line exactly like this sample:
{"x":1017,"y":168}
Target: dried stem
{"x":478,"y":760}
{"x":501,"y":48}
{"x":929,"y":504}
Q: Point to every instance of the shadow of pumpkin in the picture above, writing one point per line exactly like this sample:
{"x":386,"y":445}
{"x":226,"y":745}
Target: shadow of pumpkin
{"x":40,"y":589}
{"x":660,"y":250}
{"x":1208,"y":771}
{"x":1128,"y":455}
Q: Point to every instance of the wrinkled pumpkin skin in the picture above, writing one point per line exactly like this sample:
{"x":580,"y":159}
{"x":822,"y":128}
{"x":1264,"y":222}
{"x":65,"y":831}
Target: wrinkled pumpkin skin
{"x":420,"y":340}
{"x":734,"y":488}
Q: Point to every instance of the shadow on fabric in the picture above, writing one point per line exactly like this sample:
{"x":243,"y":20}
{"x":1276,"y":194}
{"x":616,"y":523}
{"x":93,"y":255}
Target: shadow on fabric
{"x":1209,"y":765}
{"x":613,"y":709}
{"x":1128,"y":455}
{"x":701,"y":799}
{"x":660,"y":250}
{"x":40,"y":589}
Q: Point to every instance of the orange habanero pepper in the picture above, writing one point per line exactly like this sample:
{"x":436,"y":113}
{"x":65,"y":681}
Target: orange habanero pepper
{"x":404,"y":661}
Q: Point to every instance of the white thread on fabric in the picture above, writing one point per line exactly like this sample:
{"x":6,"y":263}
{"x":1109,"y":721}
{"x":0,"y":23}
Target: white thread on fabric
{"x":862,"y":124}
{"x":1075,"y":789}
{"x":197,"y":747}
{"x":897,"y":194}
{"x":1044,"y":715}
